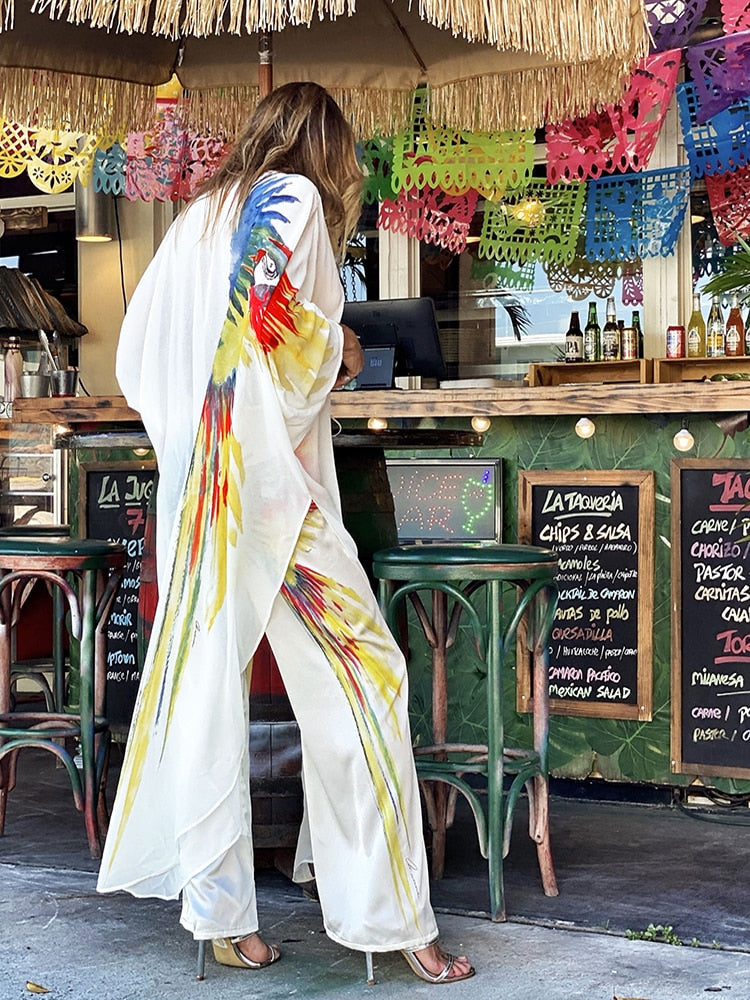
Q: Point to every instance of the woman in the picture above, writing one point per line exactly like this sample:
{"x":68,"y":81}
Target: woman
{"x":232,"y":379}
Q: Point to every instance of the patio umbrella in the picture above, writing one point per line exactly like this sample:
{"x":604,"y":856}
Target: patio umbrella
{"x":541,"y":62}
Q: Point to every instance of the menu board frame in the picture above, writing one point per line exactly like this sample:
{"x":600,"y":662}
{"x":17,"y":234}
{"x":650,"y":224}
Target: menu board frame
{"x":643,"y":481}
{"x":679,"y":764}
{"x":121,"y":693}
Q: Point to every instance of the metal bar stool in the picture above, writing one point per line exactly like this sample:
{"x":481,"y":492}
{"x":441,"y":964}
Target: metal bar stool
{"x":456,"y":573}
{"x":86,"y":572}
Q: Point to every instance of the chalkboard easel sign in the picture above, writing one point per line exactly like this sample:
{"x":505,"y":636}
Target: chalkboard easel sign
{"x":114,"y":500}
{"x":601,"y":524}
{"x":711,"y":617}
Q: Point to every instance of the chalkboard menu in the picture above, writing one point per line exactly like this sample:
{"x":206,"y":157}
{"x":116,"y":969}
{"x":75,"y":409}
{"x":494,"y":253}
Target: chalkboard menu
{"x":114,"y":501}
{"x":711,"y":617}
{"x":601,"y":524}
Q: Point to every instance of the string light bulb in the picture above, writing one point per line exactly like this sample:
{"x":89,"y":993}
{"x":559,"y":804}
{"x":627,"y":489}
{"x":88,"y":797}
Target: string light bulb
{"x":481,"y":424}
{"x":377,"y":424}
{"x":683,"y":439}
{"x":585,"y":428}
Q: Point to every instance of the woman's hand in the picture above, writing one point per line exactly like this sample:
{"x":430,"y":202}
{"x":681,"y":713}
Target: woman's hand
{"x":352,"y":358}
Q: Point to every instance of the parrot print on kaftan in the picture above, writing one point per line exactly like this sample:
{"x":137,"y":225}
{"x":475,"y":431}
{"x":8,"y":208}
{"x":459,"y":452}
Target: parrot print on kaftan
{"x":261,"y":462}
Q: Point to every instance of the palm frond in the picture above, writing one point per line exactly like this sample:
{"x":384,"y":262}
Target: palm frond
{"x":519,"y":318}
{"x":735,"y":272}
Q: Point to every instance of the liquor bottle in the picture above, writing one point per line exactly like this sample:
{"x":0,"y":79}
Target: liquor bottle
{"x":715,"y":330}
{"x":592,"y":336}
{"x":611,"y":334}
{"x":696,"y":331}
{"x":13,"y":369}
{"x":638,"y":332}
{"x":734,"y":334}
{"x":574,"y":339}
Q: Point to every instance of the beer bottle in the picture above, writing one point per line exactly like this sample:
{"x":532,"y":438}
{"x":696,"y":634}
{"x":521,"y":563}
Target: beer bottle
{"x":696,"y":331}
{"x":638,"y":332}
{"x":611,"y":334}
{"x":574,"y":339}
{"x":592,"y":336}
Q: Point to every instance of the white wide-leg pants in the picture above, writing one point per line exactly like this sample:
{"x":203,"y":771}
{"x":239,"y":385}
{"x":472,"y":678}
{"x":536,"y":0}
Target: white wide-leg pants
{"x":346,"y":680}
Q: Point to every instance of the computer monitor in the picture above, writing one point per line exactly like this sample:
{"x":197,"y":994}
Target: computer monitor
{"x":409,"y":325}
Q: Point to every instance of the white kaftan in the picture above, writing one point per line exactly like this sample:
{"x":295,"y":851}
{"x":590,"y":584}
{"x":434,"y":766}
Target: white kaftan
{"x":229,"y":351}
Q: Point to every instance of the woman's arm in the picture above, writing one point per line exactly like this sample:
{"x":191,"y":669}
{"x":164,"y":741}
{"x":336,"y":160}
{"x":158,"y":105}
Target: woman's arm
{"x":352,"y":358}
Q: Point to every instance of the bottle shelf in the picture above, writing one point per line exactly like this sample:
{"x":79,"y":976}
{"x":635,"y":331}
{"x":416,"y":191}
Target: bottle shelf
{"x":698,"y":369}
{"x":592,"y":372}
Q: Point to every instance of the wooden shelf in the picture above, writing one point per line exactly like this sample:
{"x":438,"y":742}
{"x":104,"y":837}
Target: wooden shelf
{"x":697,"y":369}
{"x":543,"y":401}
{"x":74,"y":410}
{"x":590,"y":372}
{"x":539,"y":401}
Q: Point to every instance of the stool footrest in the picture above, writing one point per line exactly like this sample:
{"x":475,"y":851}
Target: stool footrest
{"x":472,"y":759}
{"x":44,"y":726}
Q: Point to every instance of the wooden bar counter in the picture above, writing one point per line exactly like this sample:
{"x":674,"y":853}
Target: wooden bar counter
{"x":634,"y":442}
{"x":694,"y":397}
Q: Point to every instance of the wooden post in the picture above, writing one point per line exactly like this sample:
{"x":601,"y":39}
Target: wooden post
{"x":265,"y":64}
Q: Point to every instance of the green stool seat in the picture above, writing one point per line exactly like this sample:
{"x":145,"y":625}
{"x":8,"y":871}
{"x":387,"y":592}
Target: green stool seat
{"x":453,"y":575}
{"x":84,"y":575}
{"x":446,"y":561}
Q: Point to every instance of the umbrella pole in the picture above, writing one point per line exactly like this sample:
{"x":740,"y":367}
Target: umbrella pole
{"x":265,"y":64}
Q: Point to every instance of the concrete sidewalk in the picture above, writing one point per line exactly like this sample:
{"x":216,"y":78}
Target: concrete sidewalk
{"x":619,"y":867}
{"x":56,"y":931}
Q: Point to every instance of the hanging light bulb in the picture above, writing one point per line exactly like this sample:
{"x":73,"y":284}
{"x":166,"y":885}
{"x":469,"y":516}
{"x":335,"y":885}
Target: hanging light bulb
{"x":377,"y":424}
{"x":481,"y":424}
{"x":585,"y":428}
{"x":683,"y":439}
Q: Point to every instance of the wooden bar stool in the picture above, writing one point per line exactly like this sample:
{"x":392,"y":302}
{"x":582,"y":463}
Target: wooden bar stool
{"x":455,"y":573}
{"x":37,"y":672}
{"x":86,"y":572}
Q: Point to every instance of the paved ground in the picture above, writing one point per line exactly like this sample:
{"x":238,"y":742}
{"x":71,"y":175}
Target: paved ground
{"x":619,"y":866}
{"x":56,"y":932}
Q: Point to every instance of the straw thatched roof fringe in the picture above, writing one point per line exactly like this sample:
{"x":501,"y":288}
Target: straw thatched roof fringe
{"x":225,"y":110}
{"x":562,"y":29}
{"x":529,"y":98}
{"x":526,"y":98}
{"x":570,"y":30}
{"x":40,"y":98}
{"x":273,"y":15}
{"x":193,"y":17}
{"x":477,"y":90}
{"x":218,"y":111}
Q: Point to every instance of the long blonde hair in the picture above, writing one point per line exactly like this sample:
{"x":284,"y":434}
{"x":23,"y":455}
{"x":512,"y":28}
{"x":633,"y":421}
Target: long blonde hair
{"x":298,"y":129}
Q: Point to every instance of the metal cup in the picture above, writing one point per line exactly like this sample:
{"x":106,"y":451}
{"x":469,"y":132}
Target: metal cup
{"x":64,"y":382}
{"x":34,"y":384}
